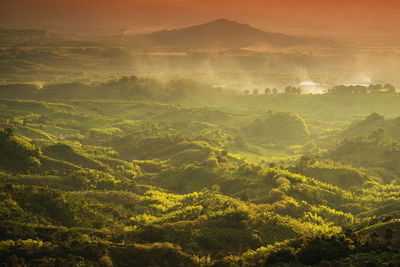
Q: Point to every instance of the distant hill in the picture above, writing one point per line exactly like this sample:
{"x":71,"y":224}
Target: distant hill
{"x":377,"y":152}
{"x":278,"y":128}
{"x":221,"y":33}
{"x":371,"y":123}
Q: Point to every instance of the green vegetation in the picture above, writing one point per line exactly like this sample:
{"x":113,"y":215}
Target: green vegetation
{"x":97,"y":181}
{"x":99,"y":167}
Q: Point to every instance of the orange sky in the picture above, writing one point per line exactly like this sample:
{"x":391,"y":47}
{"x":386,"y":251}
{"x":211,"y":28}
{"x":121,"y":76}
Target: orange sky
{"x":344,"y":17}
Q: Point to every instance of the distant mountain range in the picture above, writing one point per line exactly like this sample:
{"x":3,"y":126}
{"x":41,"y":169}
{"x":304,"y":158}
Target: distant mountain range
{"x":218,"y":34}
{"x":221,"y":33}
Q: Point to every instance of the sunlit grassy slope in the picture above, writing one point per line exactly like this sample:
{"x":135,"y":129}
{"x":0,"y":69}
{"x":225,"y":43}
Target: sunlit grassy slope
{"x":252,"y":181}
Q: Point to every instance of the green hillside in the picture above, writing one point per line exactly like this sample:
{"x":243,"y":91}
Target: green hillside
{"x":138,"y":182}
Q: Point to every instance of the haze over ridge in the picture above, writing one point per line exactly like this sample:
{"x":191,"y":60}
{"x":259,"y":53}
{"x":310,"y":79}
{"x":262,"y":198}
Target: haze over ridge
{"x":308,"y":17}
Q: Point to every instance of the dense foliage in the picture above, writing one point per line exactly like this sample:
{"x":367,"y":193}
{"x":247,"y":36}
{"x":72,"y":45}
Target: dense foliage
{"x":121,"y":180}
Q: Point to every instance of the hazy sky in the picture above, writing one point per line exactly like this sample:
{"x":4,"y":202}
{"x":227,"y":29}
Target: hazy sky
{"x":345,"y":17}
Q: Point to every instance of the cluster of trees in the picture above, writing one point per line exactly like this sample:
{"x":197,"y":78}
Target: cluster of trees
{"x":177,"y":90}
{"x":126,"y":88}
{"x":362,"y":89}
{"x":292,"y":90}
{"x":267,"y":91}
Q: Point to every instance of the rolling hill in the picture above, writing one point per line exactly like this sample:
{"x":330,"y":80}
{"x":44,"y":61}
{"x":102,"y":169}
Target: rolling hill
{"x":221,"y":33}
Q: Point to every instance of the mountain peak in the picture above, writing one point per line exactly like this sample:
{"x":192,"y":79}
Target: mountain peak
{"x":223,"y":21}
{"x":220,"y":33}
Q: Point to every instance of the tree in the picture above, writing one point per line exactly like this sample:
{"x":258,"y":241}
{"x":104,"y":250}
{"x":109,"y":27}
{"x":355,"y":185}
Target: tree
{"x":351,"y":89}
{"x":374,"y":117}
{"x":293,"y":90}
{"x":267,"y":91}
{"x":274,"y":91}
{"x":389,"y":88}
{"x":375,"y":87}
{"x":255,"y":92}
{"x":288,"y":89}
